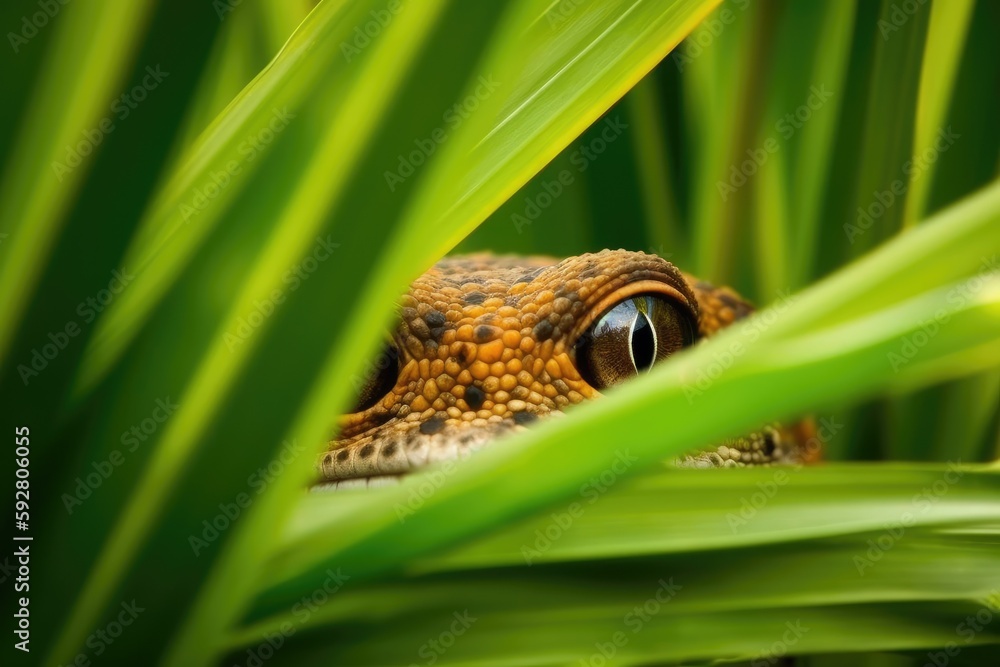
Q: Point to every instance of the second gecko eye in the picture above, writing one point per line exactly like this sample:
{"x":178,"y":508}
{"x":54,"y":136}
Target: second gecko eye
{"x":630,"y":337}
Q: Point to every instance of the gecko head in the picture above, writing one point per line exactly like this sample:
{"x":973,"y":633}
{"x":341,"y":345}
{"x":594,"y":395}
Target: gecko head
{"x":486,"y":345}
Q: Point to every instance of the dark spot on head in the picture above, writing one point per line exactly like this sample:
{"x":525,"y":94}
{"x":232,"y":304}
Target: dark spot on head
{"x":434,"y":318}
{"x":524,"y":417}
{"x":475,"y":298}
{"x":590,"y":272}
{"x":528,"y":277}
{"x":571,"y":295}
{"x":474,"y":396}
{"x":419,"y":329}
{"x":367,"y":450}
{"x":342,"y":455}
{"x":542,"y":331}
{"x":484,"y":333}
{"x":389,"y":449}
{"x":432,"y":426}
{"x":327,"y":459}
{"x":468,"y":353}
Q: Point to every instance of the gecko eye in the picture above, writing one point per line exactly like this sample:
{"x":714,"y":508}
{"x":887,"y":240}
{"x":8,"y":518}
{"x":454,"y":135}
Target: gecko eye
{"x":377,"y":378}
{"x":631,"y":336}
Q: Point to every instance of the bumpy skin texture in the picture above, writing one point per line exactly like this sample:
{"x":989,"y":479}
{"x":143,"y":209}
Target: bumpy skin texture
{"x":486,"y":346}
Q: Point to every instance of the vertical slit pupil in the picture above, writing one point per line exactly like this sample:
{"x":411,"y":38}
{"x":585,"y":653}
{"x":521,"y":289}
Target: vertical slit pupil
{"x":643,"y":343}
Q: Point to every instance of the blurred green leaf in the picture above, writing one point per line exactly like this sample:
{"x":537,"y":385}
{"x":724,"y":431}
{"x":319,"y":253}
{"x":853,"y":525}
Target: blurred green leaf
{"x":309,"y":159}
{"x":949,"y":22}
{"x":62,"y":125}
{"x":774,"y":366}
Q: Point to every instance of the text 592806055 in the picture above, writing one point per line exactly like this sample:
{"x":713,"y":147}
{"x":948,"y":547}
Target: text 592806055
{"x":22,"y":556}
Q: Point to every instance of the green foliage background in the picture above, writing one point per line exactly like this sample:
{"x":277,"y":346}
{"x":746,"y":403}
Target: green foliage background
{"x":888,"y":332}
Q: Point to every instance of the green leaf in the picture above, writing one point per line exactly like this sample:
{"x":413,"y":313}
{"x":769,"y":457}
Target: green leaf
{"x":69,"y":106}
{"x":308,"y":159}
{"x":949,"y":22}
{"x":761,"y":359}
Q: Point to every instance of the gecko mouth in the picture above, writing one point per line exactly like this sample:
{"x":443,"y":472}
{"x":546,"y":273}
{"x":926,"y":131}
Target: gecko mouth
{"x":381,"y":457}
{"x":372,"y":465}
{"x":354,"y":483}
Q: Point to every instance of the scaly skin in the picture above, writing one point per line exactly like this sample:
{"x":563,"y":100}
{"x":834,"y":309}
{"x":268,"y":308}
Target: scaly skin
{"x":486,"y":346}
